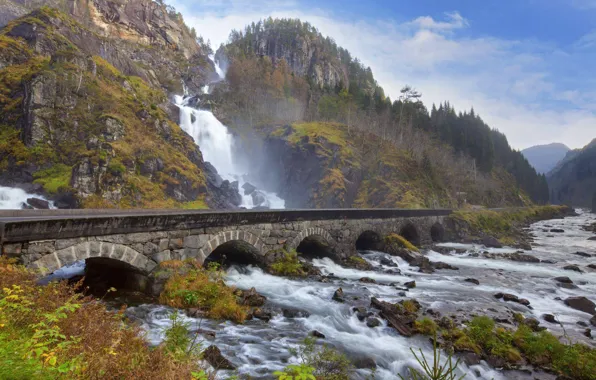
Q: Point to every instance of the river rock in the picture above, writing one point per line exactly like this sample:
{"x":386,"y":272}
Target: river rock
{"x":592,"y":238}
{"x":533,"y":324}
{"x":410,"y":284}
{"x":317,"y":334}
{"x":563,"y":279}
{"x":364,"y":363}
{"x":565,"y":285}
{"x":442,"y":265}
{"x":472,"y":280}
{"x":521,"y":257}
{"x":572,"y":267}
{"x":557,"y":230}
{"x":549,"y":318}
{"x":582,"y":254}
{"x":588,"y":333}
{"x":592,"y":266}
{"x":38,"y":203}
{"x":582,"y":304}
{"x":491,"y":242}
{"x":510,"y":297}
{"x":252,"y":298}
{"x":339,"y":295}
{"x":214,"y":356}
{"x":394,"y":316}
{"x":470,"y":358}
{"x":248,"y":188}
{"x":373,"y":322}
{"x":581,"y":323}
{"x":295,"y":313}
{"x":367,"y":280}
{"x":548,"y":261}
{"x":387,"y":262}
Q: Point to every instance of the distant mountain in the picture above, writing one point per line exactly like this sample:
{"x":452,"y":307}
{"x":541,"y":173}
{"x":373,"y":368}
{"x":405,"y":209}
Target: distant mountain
{"x":573,"y":180}
{"x":545,"y":157}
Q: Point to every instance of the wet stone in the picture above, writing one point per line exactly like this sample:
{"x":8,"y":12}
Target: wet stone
{"x":472,"y":280}
{"x":317,"y":334}
{"x":373,"y":322}
{"x":410,"y":284}
{"x":573,"y":267}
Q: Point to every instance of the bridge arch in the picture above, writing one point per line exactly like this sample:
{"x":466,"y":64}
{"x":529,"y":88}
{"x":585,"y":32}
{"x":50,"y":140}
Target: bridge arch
{"x":315,"y":242}
{"x":369,"y":240}
{"x":241,"y":246}
{"x":94,"y":249}
{"x":409,"y":232}
{"x":437,"y":232}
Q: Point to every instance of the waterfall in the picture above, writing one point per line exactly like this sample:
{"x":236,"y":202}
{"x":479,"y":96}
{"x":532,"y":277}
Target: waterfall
{"x":217,"y":145}
{"x":12,"y":198}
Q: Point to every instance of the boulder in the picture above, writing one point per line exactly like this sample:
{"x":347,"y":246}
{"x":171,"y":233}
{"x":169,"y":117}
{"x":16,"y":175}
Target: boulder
{"x":373,"y":322}
{"x":263,"y":314}
{"x":578,"y":253}
{"x":510,"y":298}
{"x":367,"y":280}
{"x":582,"y":304}
{"x":387,"y":262}
{"x":339,"y":295}
{"x":593,"y":320}
{"x":557,"y":230}
{"x":365,"y":363}
{"x":572,"y":267}
{"x":565,"y":285}
{"x":317,"y":334}
{"x":550,"y":318}
{"x":214,"y":356}
{"x":588,"y":333}
{"x":472,"y":281}
{"x":394,"y":316}
{"x":38,"y":203}
{"x":521,"y":257}
{"x":491,"y":242}
{"x":563,"y":279}
{"x":252,"y":298}
{"x":295,"y":313}
{"x":410,"y":284}
{"x":592,"y":266}
{"x":533,"y":324}
{"x":442,"y":265}
{"x":258,"y":198}
{"x":248,"y":188}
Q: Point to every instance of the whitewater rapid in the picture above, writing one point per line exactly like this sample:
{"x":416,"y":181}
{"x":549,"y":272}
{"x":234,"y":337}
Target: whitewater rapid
{"x":218,"y":147}
{"x":12,"y":198}
{"x":259,"y":347}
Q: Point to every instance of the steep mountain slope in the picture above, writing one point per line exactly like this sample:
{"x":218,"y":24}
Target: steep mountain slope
{"x":284,"y":72}
{"x":573,"y":180}
{"x":545,"y":157}
{"x":85,"y":132}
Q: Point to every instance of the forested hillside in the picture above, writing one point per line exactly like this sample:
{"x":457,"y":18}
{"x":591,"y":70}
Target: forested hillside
{"x":283,"y":71}
{"x":545,"y":157}
{"x":573,"y":180}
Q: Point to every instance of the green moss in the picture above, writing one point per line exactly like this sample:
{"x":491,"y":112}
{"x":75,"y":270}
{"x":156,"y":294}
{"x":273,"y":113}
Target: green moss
{"x":54,"y":178}
{"x":501,"y":224}
{"x":199,"y":204}
{"x":426,"y":326}
{"x":398,"y":241}
{"x":287,"y":265}
{"x":410,"y":306}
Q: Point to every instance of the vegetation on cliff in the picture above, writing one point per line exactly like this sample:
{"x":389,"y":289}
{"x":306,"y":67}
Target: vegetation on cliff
{"x":504,"y":224}
{"x":285,"y":71}
{"x":53,"y":332}
{"x":82,"y":127}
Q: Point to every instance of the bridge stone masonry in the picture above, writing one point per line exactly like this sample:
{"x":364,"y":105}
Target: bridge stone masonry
{"x":50,"y":239}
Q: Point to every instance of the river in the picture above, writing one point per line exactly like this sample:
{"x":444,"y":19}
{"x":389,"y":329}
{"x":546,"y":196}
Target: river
{"x":257,"y":347}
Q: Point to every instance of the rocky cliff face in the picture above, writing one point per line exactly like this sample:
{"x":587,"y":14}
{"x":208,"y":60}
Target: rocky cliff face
{"x":87,"y":133}
{"x":139,"y":37}
{"x":573,"y":180}
{"x":306,"y":51}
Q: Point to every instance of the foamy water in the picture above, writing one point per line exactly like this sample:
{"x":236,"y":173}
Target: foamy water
{"x":259,"y":347}
{"x":12,"y":198}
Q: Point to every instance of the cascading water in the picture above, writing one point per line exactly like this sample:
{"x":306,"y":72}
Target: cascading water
{"x":12,"y":198}
{"x":258,"y":348}
{"x":217,"y":145}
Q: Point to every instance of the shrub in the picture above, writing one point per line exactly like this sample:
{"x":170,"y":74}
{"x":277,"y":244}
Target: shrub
{"x":426,"y":326}
{"x":51,"y":331}
{"x":324,"y":362}
{"x":203,"y":289}
{"x":434,"y":370}
{"x":287,"y":265}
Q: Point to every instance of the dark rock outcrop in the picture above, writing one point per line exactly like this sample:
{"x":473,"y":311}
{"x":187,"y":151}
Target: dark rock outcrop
{"x":214,"y":356}
{"x":582,"y":304}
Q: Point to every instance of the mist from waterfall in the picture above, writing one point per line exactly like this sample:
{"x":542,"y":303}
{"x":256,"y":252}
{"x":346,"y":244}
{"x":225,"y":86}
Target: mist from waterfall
{"x":218,"y":146}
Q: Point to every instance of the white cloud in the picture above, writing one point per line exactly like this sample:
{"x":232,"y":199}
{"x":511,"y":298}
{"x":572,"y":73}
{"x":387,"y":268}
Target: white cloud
{"x":513,"y":85}
{"x":454,"y":21}
{"x":586,"y":41}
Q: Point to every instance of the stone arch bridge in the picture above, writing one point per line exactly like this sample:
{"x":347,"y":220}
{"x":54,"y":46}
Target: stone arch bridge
{"x":50,"y":239}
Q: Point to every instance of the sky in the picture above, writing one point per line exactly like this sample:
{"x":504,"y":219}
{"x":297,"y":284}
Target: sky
{"x":527,"y":67}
